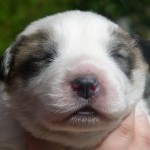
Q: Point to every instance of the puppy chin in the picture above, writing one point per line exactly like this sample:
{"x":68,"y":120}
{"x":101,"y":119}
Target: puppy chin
{"x":73,"y":137}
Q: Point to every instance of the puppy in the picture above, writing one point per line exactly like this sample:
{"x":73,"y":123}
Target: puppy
{"x":70,"y":79}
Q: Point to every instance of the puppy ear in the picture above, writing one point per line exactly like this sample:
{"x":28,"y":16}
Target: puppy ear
{"x":5,"y":64}
{"x":145,"y":48}
{"x":1,"y":68}
{"x":6,"y":61}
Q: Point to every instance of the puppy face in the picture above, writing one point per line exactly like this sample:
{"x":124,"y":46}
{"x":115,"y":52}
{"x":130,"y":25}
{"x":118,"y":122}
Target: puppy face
{"x":71,"y":78}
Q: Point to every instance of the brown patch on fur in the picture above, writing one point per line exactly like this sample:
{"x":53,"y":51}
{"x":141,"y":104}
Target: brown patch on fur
{"x":121,"y":36}
{"x":34,"y":48}
{"x":28,"y":45}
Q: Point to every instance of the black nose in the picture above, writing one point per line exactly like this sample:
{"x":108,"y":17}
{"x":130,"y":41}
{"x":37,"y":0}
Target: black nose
{"x":85,"y":86}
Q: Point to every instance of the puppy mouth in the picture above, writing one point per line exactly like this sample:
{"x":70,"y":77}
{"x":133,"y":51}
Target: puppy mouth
{"x":85,"y":111}
{"x":86,"y":116}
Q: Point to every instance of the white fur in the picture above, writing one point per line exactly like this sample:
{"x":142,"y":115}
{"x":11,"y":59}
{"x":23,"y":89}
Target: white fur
{"x":82,"y":42}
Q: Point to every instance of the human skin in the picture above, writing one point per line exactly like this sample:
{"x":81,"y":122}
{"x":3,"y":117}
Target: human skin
{"x":132,"y":134}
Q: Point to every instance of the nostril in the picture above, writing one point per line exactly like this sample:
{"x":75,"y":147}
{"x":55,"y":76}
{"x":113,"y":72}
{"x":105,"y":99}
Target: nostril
{"x":85,"y":86}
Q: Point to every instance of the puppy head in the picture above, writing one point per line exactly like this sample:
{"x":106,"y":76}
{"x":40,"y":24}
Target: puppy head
{"x":71,"y":78}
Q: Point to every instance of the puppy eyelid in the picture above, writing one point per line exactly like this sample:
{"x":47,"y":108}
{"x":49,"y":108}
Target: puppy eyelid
{"x":49,"y":57}
{"x":120,"y":51}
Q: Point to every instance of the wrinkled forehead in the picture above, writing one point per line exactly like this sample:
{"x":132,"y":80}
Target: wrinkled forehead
{"x":72,"y":22}
{"x":79,"y":27}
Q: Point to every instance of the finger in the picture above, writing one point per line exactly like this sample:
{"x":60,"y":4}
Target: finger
{"x":30,"y":142}
{"x":34,"y":143}
{"x":120,"y":138}
{"x":39,"y":144}
{"x":142,"y":131}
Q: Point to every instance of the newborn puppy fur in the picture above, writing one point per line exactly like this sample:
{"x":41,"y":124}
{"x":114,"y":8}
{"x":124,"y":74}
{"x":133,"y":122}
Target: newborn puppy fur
{"x":70,"y":79}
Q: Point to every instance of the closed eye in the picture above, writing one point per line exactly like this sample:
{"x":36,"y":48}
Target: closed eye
{"x":120,"y":51}
{"x":47,"y":56}
{"x":123,"y":57}
{"x":33,"y":64}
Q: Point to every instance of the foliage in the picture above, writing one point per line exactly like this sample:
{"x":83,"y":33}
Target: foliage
{"x":16,"y":14}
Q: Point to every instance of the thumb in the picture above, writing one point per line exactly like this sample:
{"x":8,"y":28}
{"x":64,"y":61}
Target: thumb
{"x":120,"y":138}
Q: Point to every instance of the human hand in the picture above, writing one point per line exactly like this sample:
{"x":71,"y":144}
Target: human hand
{"x":132,"y":134}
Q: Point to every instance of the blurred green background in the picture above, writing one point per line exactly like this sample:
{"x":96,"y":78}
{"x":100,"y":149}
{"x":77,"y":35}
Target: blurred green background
{"x":132,"y":15}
